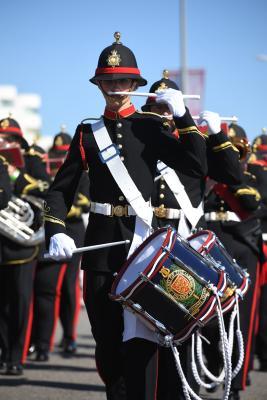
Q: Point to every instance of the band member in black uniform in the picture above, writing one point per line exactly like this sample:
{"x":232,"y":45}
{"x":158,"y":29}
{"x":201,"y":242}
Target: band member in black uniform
{"x":257,"y":165}
{"x":57,"y":287}
{"x":141,"y":139}
{"x":229,"y":213}
{"x":168,"y":211}
{"x":19,"y":248}
{"x":5,"y":196}
{"x":70,"y":290}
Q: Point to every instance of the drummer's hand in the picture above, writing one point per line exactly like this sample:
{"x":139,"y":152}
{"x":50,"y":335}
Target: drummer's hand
{"x":213,"y":121}
{"x":61,"y":246}
{"x":174,"y":99}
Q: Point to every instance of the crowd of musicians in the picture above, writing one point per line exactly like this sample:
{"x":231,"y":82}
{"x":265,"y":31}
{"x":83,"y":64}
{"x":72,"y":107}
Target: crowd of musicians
{"x":223,"y":188}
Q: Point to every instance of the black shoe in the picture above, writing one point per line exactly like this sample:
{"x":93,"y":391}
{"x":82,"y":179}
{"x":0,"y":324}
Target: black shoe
{"x":263,"y":366}
{"x":42,"y":355}
{"x":14,"y":369}
{"x":213,"y":389}
{"x":3,"y":366}
{"x":234,"y":395}
{"x":69,"y":347}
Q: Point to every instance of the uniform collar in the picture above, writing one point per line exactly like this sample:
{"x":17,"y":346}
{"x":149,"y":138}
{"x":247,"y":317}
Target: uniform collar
{"x":126,"y":112}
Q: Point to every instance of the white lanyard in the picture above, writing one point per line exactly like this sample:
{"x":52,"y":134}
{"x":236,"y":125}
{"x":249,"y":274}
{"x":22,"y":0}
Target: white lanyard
{"x":109,"y":155}
{"x":193,"y":214}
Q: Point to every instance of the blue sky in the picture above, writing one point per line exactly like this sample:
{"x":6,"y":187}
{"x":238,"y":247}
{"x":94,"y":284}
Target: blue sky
{"x":52,"y":48}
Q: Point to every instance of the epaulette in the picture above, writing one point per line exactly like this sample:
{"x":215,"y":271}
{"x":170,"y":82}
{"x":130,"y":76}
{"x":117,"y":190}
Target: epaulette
{"x":33,"y":152}
{"x":151,"y":113}
{"x":89,"y":119}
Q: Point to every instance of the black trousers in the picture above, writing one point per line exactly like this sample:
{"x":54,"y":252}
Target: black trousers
{"x":70,"y":291}
{"x":136,"y":369}
{"x":106,"y":319}
{"x":47,"y":289}
{"x":16,"y":291}
{"x":247,"y":259}
{"x":262,"y":327}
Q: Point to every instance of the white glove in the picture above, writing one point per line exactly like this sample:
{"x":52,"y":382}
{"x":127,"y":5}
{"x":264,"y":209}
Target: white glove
{"x":61,"y":246}
{"x":174,"y":99}
{"x":213,"y":121}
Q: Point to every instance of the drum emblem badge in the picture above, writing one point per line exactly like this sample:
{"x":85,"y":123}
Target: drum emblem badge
{"x":181,"y":285}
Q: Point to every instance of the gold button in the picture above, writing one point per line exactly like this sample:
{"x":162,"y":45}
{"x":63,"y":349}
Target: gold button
{"x":162,"y":186}
{"x":162,"y":179}
{"x":121,"y":198}
{"x":222,"y":201}
{"x":122,"y":158}
{"x":221,"y":208}
{"x":119,"y":125}
{"x":161,"y":195}
{"x":120,"y":146}
{"x":119,"y":135}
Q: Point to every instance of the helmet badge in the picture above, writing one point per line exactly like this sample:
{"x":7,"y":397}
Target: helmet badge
{"x":114,"y":59}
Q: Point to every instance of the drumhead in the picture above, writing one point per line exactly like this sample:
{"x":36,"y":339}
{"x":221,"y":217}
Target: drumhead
{"x":201,"y":239}
{"x":140,"y":262}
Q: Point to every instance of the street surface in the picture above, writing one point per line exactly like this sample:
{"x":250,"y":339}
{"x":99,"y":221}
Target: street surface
{"x":76,"y":378}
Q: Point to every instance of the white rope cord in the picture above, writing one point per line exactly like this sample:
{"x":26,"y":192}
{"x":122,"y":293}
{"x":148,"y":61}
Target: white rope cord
{"x":226,"y":353}
{"x":226,"y":358}
{"x":186,"y":388}
{"x":195,"y":370}
{"x":240,"y":341}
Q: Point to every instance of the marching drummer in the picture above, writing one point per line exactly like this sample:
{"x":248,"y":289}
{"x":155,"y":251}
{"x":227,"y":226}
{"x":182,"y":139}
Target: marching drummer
{"x":121,"y":152}
{"x":177,"y":200}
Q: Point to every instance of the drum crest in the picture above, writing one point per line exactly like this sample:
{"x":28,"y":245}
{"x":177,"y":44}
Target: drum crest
{"x":183,"y":288}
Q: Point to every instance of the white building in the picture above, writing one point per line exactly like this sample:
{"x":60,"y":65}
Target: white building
{"x":24,"y":108}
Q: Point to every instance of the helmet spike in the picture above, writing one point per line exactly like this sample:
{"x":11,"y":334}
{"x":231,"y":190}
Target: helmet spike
{"x":117,"y":36}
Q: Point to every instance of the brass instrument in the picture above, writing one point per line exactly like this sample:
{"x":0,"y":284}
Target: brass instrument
{"x":243,"y":146}
{"x":18,"y":220}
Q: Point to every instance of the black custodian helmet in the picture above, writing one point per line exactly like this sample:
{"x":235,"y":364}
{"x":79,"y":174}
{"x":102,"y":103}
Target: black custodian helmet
{"x":117,"y":62}
{"x":162,"y":84}
{"x":61,"y":143}
{"x":259,"y":144}
{"x":10,"y":128}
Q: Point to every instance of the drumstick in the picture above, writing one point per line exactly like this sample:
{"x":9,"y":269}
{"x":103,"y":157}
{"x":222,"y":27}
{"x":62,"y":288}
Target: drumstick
{"x":95,"y":247}
{"x":226,"y":119}
{"x":185,"y":96}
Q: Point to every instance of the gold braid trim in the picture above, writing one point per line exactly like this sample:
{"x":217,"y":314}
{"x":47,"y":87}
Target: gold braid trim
{"x":34,"y":184}
{"x":249,"y":191}
{"x":223,"y":146}
{"x":74,"y":212}
{"x":54,"y":220}
{"x":4,"y":160}
{"x":36,"y":251}
{"x":82,"y":200}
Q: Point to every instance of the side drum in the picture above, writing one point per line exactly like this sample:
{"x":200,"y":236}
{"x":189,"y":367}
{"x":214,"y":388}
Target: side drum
{"x":169,"y":285}
{"x":205,"y":242}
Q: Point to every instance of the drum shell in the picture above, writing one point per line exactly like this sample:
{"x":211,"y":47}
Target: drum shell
{"x":148,"y":293}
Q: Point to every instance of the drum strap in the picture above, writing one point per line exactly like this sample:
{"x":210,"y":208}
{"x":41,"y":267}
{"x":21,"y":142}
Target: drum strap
{"x":109,"y":155}
{"x":193,"y":214}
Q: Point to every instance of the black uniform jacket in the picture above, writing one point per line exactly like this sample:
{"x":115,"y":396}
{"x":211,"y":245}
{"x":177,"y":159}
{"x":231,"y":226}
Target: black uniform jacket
{"x":5,"y":186}
{"x":143,"y":139}
{"x":34,"y":181}
{"x":259,"y":170}
{"x":223,"y":166}
{"x":248,"y":230}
